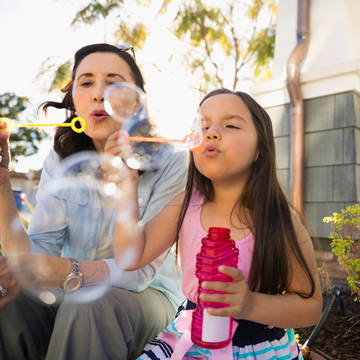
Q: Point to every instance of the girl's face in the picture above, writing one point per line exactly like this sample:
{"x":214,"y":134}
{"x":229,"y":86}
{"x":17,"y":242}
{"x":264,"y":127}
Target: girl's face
{"x":95,"y":72}
{"x":230,"y":146}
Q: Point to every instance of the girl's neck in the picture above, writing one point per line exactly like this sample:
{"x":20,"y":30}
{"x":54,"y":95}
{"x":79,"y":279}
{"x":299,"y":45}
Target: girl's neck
{"x":226,"y":195}
{"x":224,"y":212}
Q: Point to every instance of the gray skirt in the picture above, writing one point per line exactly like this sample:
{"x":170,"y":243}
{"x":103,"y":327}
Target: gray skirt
{"x":115,"y":326}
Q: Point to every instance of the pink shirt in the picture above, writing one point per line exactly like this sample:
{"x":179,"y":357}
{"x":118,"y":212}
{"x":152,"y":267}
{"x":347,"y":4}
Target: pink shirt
{"x":190,"y":237}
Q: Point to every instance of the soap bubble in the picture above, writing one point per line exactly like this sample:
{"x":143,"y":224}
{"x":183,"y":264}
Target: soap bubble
{"x":148,"y":148}
{"x":123,"y":100}
{"x":95,"y":185}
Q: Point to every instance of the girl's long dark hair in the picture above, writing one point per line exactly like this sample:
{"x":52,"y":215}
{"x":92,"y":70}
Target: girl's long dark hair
{"x":263,"y":198}
{"x":66,"y":141}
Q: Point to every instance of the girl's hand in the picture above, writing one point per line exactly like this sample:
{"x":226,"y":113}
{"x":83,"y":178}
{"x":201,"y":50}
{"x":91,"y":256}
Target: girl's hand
{"x":4,"y":146}
{"x":7,"y":282}
{"x":238,"y":296}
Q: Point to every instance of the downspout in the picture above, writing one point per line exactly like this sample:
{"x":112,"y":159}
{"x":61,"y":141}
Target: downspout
{"x":297,"y":122}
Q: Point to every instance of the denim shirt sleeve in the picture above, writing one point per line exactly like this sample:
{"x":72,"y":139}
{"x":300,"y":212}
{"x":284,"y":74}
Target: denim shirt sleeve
{"x":169,"y":183}
{"x":156,"y":190}
{"x":48,"y":226}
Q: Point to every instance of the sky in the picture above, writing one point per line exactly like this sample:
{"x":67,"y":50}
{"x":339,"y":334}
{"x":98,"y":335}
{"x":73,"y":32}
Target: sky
{"x":32,"y":31}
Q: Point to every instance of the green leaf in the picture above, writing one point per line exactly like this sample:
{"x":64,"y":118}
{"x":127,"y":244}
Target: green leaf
{"x":94,"y":11}
{"x":23,"y":141}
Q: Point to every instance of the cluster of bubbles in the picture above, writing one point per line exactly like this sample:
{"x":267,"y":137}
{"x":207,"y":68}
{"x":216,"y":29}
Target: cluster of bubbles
{"x":106,"y":180}
{"x":148,"y":150}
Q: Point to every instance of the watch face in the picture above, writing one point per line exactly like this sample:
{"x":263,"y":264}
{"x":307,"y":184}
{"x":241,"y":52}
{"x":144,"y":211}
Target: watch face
{"x":72,"y":284}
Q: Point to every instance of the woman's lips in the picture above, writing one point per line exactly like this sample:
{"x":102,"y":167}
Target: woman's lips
{"x":99,"y":115}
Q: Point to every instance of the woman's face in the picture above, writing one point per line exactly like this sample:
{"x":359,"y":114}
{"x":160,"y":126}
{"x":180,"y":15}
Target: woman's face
{"x":94,"y":73}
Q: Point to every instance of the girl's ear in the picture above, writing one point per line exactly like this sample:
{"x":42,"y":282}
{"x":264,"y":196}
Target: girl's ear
{"x":257,"y":155}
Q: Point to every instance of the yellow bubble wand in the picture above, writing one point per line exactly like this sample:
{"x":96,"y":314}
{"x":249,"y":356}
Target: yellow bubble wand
{"x":9,"y":125}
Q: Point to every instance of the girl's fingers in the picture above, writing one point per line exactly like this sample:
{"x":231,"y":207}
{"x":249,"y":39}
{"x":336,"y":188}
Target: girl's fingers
{"x":218,"y":298}
{"x":226,"y":311}
{"x":218,"y":285}
{"x":235,"y":273}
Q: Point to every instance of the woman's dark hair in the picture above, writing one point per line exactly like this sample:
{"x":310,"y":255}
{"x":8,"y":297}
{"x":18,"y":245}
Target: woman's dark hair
{"x":66,"y":141}
{"x":264,"y":200}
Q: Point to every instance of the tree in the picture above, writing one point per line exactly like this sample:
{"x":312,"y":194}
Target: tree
{"x":23,"y":141}
{"x":205,"y":27}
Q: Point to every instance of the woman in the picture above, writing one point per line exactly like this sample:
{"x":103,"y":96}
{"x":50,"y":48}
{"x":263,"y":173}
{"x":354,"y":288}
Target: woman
{"x":139,"y":303}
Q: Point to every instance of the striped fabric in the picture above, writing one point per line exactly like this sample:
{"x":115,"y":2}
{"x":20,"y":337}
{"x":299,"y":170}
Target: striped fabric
{"x":276,"y":344}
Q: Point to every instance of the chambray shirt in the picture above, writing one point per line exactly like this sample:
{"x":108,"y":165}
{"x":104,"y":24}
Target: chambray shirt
{"x":69,"y":225}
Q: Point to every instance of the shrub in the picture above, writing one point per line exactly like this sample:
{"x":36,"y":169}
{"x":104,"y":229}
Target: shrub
{"x":345,"y":243}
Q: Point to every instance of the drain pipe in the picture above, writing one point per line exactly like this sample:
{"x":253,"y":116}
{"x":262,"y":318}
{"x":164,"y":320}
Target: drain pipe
{"x":297,"y":123}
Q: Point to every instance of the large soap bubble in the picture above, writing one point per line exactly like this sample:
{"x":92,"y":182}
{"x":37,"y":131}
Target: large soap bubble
{"x":98,"y":184}
{"x":149,"y":147}
{"x":123,"y":100}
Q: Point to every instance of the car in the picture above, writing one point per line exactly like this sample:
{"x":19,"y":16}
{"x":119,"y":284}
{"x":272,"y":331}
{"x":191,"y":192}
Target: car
{"x":23,"y":205}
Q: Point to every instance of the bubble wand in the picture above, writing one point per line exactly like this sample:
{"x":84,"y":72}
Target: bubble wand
{"x":190,"y":139}
{"x":9,"y":125}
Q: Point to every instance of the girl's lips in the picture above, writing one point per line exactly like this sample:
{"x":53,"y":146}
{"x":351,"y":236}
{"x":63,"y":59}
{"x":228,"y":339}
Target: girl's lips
{"x":211,"y":150}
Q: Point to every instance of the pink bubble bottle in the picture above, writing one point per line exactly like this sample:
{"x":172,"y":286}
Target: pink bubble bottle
{"x":208,"y":331}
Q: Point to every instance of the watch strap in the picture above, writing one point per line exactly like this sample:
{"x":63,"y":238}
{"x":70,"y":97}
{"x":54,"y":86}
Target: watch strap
{"x":75,"y":266}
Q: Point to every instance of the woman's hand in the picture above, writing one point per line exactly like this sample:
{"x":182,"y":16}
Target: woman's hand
{"x":238,"y":296}
{"x":115,"y":147}
{"x":8,"y":284}
{"x":4,"y":146}
{"x":38,"y":269}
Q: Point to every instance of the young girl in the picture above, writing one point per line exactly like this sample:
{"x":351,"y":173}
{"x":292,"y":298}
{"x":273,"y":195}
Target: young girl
{"x":232,"y":183}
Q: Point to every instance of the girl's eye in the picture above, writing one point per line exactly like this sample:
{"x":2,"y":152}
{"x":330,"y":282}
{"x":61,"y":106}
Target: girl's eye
{"x":230,"y":126}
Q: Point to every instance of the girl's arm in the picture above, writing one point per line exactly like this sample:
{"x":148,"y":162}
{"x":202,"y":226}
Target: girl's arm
{"x":136,"y":247}
{"x":291,"y":310}
{"x":286,"y":310}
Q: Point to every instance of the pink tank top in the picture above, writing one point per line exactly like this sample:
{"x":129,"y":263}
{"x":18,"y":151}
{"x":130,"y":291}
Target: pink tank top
{"x":190,"y":237}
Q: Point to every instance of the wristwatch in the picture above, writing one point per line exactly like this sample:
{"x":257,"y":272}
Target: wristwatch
{"x":73,"y":280}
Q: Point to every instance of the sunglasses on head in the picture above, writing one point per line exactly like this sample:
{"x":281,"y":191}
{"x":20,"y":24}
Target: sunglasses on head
{"x":126,"y":48}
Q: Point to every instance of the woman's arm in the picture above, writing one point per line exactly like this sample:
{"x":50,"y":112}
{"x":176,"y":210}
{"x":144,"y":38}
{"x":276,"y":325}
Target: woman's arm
{"x":286,"y":310}
{"x":46,"y":270}
{"x":8,"y":283}
{"x":12,"y":235}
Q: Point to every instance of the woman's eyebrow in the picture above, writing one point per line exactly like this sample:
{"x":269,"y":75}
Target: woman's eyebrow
{"x":111,"y":75}
{"x":85,"y":75}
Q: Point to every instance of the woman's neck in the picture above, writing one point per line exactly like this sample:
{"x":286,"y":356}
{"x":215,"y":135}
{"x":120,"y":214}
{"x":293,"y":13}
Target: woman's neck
{"x":99,"y":145}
